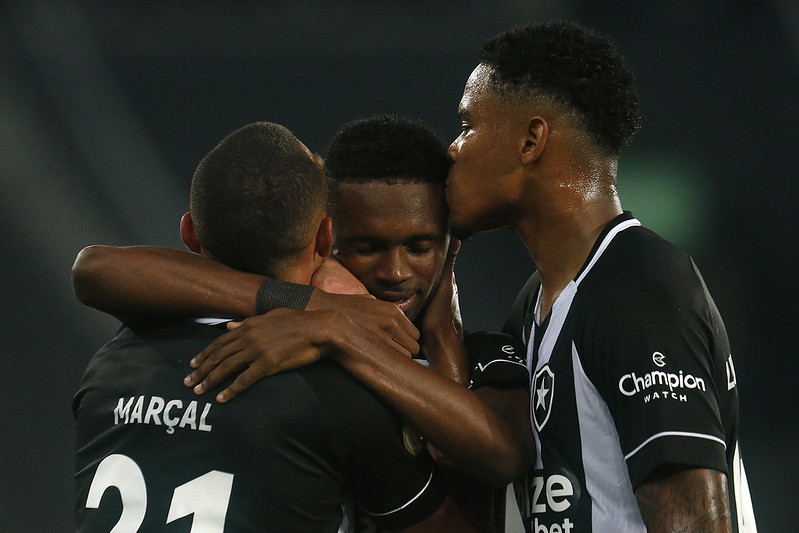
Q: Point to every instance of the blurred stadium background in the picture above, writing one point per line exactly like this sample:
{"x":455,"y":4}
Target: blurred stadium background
{"x":106,"y":107}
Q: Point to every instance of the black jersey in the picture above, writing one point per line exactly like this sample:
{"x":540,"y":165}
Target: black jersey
{"x":495,"y":360}
{"x":282,"y":457}
{"x":631,"y":370}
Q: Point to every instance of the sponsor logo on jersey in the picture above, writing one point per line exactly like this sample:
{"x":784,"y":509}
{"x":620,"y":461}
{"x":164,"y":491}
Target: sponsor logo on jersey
{"x":661,"y":384}
{"x":550,"y":501}
{"x":543,"y":392}
{"x":159,"y":411}
{"x":509,"y":352}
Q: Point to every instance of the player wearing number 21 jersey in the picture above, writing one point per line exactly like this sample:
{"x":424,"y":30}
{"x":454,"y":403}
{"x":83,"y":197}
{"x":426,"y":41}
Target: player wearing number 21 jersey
{"x":152,"y":456}
{"x":285,"y":456}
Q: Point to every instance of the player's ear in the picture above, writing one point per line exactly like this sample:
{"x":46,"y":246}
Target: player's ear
{"x":188,"y":235}
{"x":324,"y":237}
{"x":534,"y":140}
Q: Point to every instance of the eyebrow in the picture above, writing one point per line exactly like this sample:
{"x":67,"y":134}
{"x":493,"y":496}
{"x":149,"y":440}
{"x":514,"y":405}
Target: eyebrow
{"x":415,"y":237}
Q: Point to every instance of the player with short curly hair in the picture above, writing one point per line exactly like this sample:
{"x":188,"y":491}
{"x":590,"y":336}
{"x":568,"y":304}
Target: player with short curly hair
{"x":384,"y":147}
{"x":634,"y":398}
{"x":572,"y":66}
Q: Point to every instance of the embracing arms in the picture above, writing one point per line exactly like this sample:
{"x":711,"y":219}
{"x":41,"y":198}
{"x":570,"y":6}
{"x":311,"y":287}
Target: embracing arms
{"x":150,"y":280}
{"x":372,"y":339}
{"x":485,"y":433}
{"x":131,"y":280}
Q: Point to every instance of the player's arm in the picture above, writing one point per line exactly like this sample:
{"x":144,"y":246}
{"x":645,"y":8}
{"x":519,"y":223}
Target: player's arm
{"x":685,"y":499}
{"x":141,"y":280}
{"x":674,"y":449}
{"x":442,"y":336}
{"x":442,"y":325}
{"x":453,"y":419}
{"x":147,"y":280}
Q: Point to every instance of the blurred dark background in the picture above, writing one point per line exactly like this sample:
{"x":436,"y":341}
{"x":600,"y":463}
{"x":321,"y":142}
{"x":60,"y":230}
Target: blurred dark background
{"x":106,"y":107}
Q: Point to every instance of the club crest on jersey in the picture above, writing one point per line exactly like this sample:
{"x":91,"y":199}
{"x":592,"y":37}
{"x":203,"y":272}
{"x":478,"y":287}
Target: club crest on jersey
{"x":543,"y":392}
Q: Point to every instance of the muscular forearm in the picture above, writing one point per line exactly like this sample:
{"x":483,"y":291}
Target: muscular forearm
{"x":446,"y":354}
{"x":677,"y":500}
{"x":125,"y":281}
{"x":453,"y":419}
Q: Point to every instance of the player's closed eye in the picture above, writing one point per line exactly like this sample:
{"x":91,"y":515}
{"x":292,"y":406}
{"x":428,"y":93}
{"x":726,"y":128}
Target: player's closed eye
{"x":419,"y":248}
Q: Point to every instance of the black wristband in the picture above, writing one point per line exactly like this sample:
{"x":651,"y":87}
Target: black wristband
{"x":275,"y":293}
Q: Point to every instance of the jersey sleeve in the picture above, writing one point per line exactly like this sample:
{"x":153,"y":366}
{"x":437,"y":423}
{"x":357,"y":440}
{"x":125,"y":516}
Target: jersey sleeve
{"x":389,"y":482}
{"x":656,"y":373}
{"x":496,"y":360}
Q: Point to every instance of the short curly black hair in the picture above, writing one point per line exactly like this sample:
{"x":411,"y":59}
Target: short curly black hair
{"x":385,"y":148}
{"x":573,"y":65}
{"x":255,"y":196}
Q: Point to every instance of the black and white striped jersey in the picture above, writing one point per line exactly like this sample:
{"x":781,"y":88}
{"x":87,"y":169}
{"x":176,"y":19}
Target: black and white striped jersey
{"x":631,"y":370}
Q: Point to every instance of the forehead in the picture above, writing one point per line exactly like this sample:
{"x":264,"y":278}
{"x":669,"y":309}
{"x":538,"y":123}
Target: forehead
{"x":477,"y":89}
{"x":389,"y":209}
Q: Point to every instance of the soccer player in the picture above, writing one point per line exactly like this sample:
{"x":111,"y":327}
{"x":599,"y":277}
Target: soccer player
{"x":287,"y":455}
{"x":391,"y":231}
{"x":634,"y":395}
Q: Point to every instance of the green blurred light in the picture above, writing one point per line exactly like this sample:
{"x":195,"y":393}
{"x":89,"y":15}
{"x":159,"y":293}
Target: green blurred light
{"x":668,"y":194}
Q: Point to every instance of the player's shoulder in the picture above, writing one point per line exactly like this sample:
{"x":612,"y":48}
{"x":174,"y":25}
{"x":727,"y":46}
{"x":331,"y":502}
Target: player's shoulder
{"x":638,"y":263}
{"x":639,"y":276}
{"x":496,"y":359}
{"x":494,"y":343}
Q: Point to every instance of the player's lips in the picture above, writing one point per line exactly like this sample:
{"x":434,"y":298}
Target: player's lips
{"x":403,"y":299}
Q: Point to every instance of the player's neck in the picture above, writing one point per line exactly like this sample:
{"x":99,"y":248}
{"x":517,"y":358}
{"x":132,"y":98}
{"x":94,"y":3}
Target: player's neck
{"x":299,"y":273}
{"x":560,"y":239}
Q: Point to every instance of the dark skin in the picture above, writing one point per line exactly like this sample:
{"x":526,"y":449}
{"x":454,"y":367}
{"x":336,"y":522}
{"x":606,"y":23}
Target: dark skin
{"x":678,"y":499}
{"x":486,"y":435}
{"x":110,"y":278}
{"x":468,"y":505}
{"x":532,"y":168}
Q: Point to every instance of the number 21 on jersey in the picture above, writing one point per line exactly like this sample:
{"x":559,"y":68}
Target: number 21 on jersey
{"x":206,"y":497}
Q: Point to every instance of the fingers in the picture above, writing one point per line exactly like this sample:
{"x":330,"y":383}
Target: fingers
{"x":257,"y":347}
{"x":211,"y":355}
{"x":405,"y":342}
{"x":218,"y":363}
{"x":239,"y":385}
{"x":398,"y":320}
{"x":399,"y":329}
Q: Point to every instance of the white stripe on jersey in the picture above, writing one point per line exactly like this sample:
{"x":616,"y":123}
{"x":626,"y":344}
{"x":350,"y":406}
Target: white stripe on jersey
{"x":613,"y":503}
{"x":675,"y":434}
{"x":606,"y":242}
{"x":406,"y":504}
{"x":743,"y":499}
